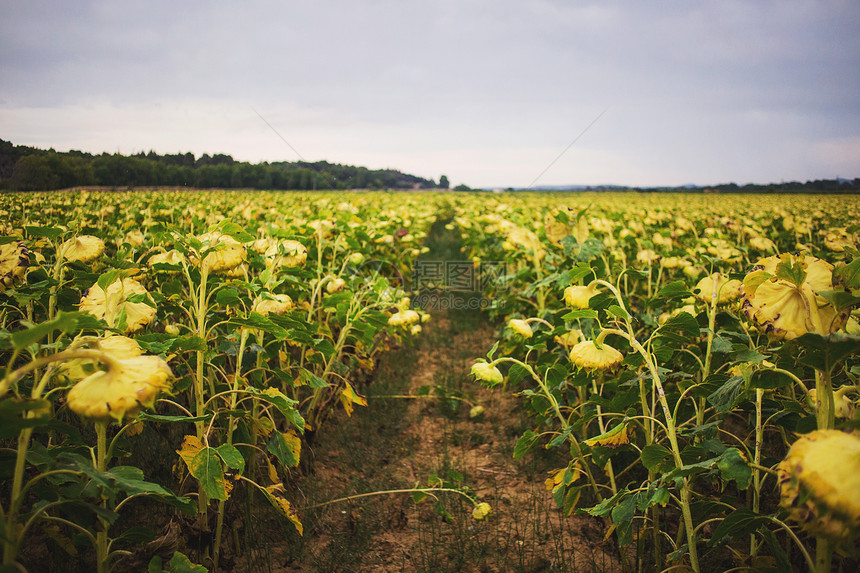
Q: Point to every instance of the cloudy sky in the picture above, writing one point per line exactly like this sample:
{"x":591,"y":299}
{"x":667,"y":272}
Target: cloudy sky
{"x":488,"y":92}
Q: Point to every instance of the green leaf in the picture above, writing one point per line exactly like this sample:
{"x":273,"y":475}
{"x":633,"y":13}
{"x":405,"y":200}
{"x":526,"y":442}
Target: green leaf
{"x":794,"y":274}
{"x":749,"y":356}
{"x":129,"y":479}
{"x":227,"y":297}
{"x":622,"y":517}
{"x":618,"y":312}
{"x":285,"y":405}
{"x":655,"y":494}
{"x":577,"y":314}
{"x":657,"y":458}
{"x":733,"y":466}
{"x":283,"y":450}
{"x":525,"y":443}
{"x":560,"y":438}
{"x":683,"y":322}
{"x":232,"y":457}
{"x":179,"y":563}
{"x":207,"y":469}
{"x":147,"y":417}
{"x":47,"y":232}
{"x":674,"y":290}
{"x":11,"y":420}
{"x":67,"y":322}
{"x":824,"y":352}
{"x":737,"y":524}
{"x":235,"y":231}
{"x":725,"y":397}
{"x":769,"y":380}
{"x":257,"y":321}
{"x":312,"y":380}
{"x":848,"y":275}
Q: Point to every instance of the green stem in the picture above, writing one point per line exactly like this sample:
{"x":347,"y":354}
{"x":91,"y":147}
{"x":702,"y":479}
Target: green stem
{"x":825,"y":411}
{"x":756,"y":475}
{"x":563,"y":421}
{"x":602,"y":427}
{"x":673,"y":441}
{"x":102,"y":557}
{"x":219,"y":526}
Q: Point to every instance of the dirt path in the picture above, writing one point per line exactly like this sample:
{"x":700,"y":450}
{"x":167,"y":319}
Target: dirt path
{"x":397,"y":443}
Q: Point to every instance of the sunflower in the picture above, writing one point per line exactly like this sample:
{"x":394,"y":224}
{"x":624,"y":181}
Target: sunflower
{"x":14,"y":258}
{"x":587,"y":355}
{"x":171,"y":257}
{"x":335,"y":285}
{"x":287,"y":253}
{"x":84,"y":248}
{"x":717,"y":287}
{"x":119,"y":347}
{"x":122,"y":392}
{"x":569,"y":338}
{"x":109,"y":304}
{"x":487,"y":373}
{"x":521,"y":327}
{"x":277,"y":304}
{"x":784,"y":309}
{"x":577,"y":296}
{"x":404,"y":318}
{"x":224,"y":252}
{"x":819,"y":483}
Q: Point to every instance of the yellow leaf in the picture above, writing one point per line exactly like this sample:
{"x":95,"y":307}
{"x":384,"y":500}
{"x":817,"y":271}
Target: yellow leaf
{"x":348,"y":397}
{"x":273,"y":473}
{"x":554,"y":479}
{"x":294,"y":443}
{"x":191,"y":446}
{"x":614,"y":438}
{"x":263,"y":425}
{"x":283,"y":505}
{"x":134,"y":429}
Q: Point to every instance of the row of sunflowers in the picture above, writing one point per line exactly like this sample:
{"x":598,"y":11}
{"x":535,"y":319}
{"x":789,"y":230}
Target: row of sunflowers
{"x":231,"y":325}
{"x":693,"y":360}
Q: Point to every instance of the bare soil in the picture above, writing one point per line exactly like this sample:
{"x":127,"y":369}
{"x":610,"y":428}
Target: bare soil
{"x":396,"y":443}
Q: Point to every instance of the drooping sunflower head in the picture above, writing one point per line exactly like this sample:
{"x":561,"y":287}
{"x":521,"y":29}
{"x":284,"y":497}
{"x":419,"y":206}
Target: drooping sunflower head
{"x":487,"y":373}
{"x":780,"y":297}
{"x":276,"y":304}
{"x":717,"y":287}
{"x":116,"y":394}
{"x":171,"y":257}
{"x":14,"y":258}
{"x":84,"y":248}
{"x":224,"y":252}
{"x":122,"y":301}
{"x":404,"y":318}
{"x":288,"y":253}
{"x":521,"y":327}
{"x":589,"y":356}
{"x":569,"y":339}
{"x":820,"y":484}
{"x":119,"y":347}
{"x":577,"y":296}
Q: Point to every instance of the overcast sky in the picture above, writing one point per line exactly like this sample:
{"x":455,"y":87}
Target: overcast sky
{"x":488,"y":92}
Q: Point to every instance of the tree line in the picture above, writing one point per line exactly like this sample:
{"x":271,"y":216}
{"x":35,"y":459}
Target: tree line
{"x":24,"y":168}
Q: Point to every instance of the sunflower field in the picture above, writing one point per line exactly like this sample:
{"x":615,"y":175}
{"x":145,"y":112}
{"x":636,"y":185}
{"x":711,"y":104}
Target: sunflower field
{"x":689,"y":362}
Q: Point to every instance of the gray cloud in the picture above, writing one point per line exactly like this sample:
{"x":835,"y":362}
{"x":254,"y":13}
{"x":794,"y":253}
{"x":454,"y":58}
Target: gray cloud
{"x":705,"y":92}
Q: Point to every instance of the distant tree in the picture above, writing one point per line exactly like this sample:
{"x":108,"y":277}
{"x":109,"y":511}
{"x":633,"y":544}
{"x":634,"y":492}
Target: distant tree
{"x":443,"y":182}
